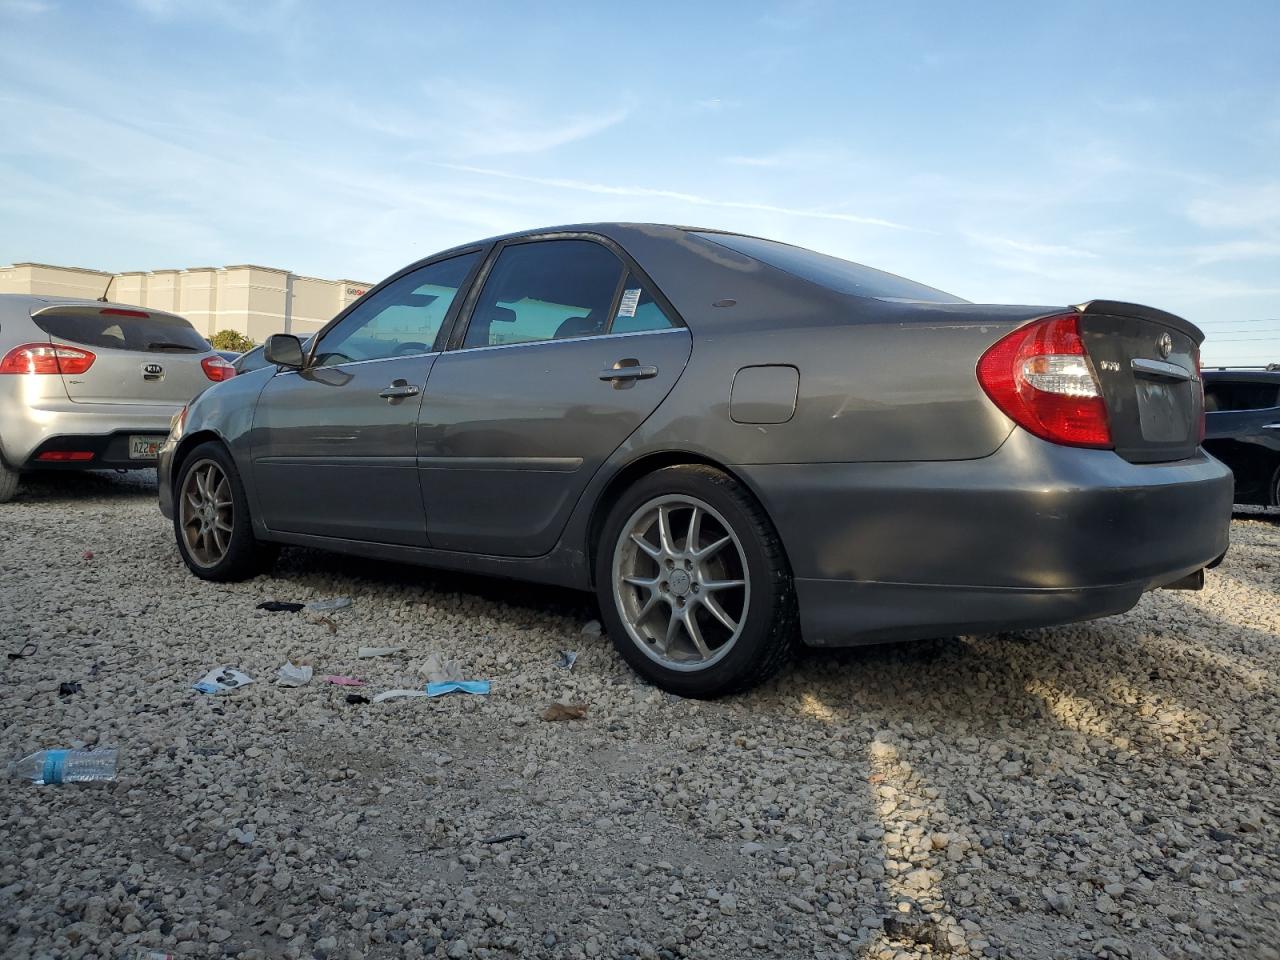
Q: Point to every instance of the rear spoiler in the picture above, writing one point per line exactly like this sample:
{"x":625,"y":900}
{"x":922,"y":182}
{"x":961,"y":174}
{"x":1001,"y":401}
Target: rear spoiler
{"x":98,"y":308}
{"x":1118,"y":308}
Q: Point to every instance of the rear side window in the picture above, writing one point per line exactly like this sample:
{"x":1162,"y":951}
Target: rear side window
{"x":99,"y":328}
{"x":843,"y":276}
{"x":637,"y":310}
{"x":1238,"y":395}
{"x":545,"y":290}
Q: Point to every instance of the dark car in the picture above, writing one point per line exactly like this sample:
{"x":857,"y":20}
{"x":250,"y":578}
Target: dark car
{"x":740,"y":445}
{"x":1242,"y":429}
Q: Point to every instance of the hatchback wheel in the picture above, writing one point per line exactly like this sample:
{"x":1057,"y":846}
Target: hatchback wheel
{"x":8,"y":483}
{"x":693,"y":584}
{"x":211,"y":519}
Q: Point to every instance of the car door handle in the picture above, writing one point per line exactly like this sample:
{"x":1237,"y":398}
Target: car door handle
{"x":629,"y":369}
{"x":398,"y":390}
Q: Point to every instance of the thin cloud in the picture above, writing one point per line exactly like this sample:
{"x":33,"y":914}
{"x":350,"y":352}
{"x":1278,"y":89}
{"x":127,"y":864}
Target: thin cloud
{"x":1027,"y":246}
{"x":245,"y":16}
{"x":485,"y":122}
{"x":689,"y":198}
{"x":797,"y":158}
{"x":1239,"y":207}
{"x":1234,"y":250}
{"x":24,"y":8}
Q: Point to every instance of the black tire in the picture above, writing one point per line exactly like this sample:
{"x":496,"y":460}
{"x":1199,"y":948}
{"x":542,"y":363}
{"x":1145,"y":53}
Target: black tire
{"x":1275,"y":488}
{"x":8,"y":483}
{"x":245,"y":555}
{"x":771,"y":633}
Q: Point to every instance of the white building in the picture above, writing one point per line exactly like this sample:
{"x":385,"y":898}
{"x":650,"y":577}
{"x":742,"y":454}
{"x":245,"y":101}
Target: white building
{"x":256,"y":301}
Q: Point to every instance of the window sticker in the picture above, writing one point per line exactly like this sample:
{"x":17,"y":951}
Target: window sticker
{"x":627,"y":306}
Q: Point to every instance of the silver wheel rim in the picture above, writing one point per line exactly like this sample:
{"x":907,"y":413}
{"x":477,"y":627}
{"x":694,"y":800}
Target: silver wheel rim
{"x":207,"y":513}
{"x":681,"y":583}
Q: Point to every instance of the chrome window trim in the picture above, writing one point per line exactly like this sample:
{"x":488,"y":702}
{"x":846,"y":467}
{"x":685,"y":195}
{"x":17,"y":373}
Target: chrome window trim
{"x":551,"y":340}
{"x":356,"y":363}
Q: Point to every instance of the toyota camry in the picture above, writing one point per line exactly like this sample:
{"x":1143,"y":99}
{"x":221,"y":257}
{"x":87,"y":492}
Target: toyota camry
{"x":739,"y":445}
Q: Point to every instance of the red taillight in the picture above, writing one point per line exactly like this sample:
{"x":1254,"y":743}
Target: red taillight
{"x":117,"y":312}
{"x":46,"y":358}
{"x":217,"y":369}
{"x":66,"y":456}
{"x":1040,"y":376}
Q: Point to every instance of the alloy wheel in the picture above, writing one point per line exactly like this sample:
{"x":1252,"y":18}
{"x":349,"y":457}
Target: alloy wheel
{"x":207,"y":513}
{"x":681,"y":582}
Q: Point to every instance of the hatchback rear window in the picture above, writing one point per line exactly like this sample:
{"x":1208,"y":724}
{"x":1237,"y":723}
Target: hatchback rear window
{"x":152,"y":334}
{"x":843,"y":276}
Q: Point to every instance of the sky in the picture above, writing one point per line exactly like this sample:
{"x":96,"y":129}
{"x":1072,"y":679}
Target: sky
{"x":1005,"y":152}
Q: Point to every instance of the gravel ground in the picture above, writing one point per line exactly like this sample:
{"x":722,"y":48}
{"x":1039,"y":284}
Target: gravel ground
{"x":1102,"y":790}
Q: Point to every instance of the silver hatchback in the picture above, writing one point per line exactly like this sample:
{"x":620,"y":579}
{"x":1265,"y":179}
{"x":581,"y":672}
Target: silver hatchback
{"x":87,"y":385}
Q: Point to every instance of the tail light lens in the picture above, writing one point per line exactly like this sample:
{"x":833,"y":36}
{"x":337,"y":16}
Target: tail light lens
{"x":1041,"y":378}
{"x":217,"y":369}
{"x":46,"y":358}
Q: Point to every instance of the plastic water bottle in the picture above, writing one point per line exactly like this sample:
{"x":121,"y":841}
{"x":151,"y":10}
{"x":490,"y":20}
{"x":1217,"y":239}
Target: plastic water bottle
{"x":66,"y":766}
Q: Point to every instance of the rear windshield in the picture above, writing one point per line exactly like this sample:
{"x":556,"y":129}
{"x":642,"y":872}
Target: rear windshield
{"x":153,"y":334}
{"x":843,"y":276}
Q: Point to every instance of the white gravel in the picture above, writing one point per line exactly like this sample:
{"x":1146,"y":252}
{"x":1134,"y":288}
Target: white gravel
{"x":1102,"y":790}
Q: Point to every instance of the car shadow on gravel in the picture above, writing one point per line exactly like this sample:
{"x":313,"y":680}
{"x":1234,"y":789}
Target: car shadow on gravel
{"x":317,"y":569}
{"x":54,"y":486}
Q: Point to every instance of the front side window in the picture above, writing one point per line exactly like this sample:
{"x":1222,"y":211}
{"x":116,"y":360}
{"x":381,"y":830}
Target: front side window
{"x":400,"y":320}
{"x":545,"y":290}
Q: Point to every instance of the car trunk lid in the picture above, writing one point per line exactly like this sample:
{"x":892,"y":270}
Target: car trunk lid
{"x":141,"y":356}
{"x":1147,"y":364}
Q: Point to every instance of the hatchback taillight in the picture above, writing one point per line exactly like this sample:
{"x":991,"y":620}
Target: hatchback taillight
{"x":217,"y":369}
{"x":46,"y":358}
{"x":1041,"y":378}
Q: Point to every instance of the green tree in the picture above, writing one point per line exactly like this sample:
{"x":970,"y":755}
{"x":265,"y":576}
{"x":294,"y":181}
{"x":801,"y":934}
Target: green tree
{"x":231,"y":340}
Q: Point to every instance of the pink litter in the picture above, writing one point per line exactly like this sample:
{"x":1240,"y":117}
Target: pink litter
{"x":345,"y":681}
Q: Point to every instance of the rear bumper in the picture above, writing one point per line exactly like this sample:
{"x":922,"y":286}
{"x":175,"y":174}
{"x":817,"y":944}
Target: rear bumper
{"x":1033,"y":535}
{"x":28,"y":429}
{"x":109,"y":451}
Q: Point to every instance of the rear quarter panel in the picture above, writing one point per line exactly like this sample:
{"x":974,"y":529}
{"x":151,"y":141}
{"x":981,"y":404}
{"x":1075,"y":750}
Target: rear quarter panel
{"x":878,"y":380}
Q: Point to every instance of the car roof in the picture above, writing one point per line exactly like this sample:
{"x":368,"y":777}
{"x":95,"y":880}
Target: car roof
{"x":33,"y":301}
{"x":612,"y":229}
{"x":1245,"y":376}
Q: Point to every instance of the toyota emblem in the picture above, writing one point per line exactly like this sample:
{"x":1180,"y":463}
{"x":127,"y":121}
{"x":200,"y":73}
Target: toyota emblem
{"x":1165,"y":345}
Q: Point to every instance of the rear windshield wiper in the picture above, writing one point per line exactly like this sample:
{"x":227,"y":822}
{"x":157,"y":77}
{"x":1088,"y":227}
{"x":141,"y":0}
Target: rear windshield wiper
{"x":166,"y":345}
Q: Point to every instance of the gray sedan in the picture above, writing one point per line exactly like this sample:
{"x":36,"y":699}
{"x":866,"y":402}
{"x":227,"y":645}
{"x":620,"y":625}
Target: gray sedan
{"x":740,"y":445}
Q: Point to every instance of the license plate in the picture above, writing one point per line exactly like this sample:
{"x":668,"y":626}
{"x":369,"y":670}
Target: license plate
{"x":144,"y":448}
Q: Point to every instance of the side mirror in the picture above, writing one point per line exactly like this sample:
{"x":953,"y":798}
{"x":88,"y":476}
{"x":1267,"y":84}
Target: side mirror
{"x":284,"y":350}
